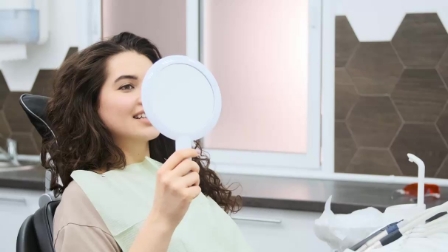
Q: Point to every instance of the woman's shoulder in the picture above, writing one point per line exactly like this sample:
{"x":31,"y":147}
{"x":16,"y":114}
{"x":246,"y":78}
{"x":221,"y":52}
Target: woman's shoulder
{"x":77,"y":226}
{"x":75,"y":208}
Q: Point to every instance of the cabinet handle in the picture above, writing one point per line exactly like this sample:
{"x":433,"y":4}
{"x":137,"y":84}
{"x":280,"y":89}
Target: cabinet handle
{"x":257,"y":219}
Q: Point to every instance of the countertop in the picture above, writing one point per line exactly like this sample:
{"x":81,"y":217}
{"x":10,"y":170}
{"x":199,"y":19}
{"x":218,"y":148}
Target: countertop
{"x":28,"y":179}
{"x":276,"y":192}
{"x":311,"y":194}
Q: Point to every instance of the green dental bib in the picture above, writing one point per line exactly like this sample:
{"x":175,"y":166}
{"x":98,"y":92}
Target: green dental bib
{"x":124,"y":198}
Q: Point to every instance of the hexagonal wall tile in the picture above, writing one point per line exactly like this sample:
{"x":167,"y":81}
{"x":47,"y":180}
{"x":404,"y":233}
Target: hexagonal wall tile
{"x":375,"y":68}
{"x":422,"y":140}
{"x":4,"y":90}
{"x":345,"y":99}
{"x":345,"y":147}
{"x":4,"y":126}
{"x":442,"y":124}
{"x":443,"y":170}
{"x":17,"y":119}
{"x":373,"y":161}
{"x":442,"y":68}
{"x":374,"y":121}
{"x":25,"y":143}
{"x":421,"y":40}
{"x":346,"y":41}
{"x":341,"y":77}
{"x":43,"y":85}
{"x":71,"y":51}
{"x":420,"y":95}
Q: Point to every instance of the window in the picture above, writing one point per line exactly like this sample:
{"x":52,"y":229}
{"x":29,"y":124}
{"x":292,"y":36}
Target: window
{"x":266,"y":58}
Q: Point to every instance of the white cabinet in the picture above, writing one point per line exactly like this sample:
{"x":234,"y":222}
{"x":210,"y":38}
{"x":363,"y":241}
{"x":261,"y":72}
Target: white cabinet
{"x":15,"y":206}
{"x":268,"y":230}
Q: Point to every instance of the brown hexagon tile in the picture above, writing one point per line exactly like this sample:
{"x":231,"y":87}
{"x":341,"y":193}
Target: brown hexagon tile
{"x":341,"y":77}
{"x":4,"y":126}
{"x":25,"y":143}
{"x":420,"y":95}
{"x":443,"y":68}
{"x":71,"y":51}
{"x":375,"y":68}
{"x":345,"y":147}
{"x":373,"y":161}
{"x":345,"y":99}
{"x":43,"y":85}
{"x":422,"y":140}
{"x":442,"y":124}
{"x":443,"y":170}
{"x":17,"y":119}
{"x":4,"y":90}
{"x":421,"y":40}
{"x":374,"y":121}
{"x":346,"y":41}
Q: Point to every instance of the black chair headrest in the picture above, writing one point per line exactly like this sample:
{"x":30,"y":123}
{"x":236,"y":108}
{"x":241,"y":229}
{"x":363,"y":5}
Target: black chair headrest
{"x":35,"y":108}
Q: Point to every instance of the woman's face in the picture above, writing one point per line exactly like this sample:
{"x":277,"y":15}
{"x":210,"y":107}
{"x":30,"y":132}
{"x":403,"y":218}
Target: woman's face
{"x":120,"y":105}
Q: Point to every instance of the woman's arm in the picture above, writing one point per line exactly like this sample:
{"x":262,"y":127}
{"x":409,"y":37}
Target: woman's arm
{"x":176,"y":186}
{"x":154,"y":236}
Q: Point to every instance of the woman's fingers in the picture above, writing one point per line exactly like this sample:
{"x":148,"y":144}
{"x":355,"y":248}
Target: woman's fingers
{"x":185,"y":167}
{"x":178,"y":157}
{"x":191,"y":179}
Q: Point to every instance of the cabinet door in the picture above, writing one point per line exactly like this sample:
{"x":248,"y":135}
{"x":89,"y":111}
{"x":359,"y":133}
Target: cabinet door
{"x":15,"y":207}
{"x":269,"y":230}
{"x":13,"y":212}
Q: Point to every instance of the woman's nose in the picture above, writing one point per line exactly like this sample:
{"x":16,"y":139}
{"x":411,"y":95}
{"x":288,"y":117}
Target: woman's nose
{"x":139,"y":95}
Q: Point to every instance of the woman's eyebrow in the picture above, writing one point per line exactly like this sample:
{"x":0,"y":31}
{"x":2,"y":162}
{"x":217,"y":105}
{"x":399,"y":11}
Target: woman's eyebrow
{"x":133,"y":77}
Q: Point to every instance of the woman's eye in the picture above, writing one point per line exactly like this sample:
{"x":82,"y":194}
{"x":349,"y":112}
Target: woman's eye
{"x":126,"y":87}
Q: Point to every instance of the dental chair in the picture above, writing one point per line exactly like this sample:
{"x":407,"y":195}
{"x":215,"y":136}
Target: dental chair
{"x":36,"y":232}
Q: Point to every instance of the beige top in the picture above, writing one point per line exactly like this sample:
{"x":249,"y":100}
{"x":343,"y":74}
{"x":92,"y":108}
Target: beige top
{"x":77,"y":226}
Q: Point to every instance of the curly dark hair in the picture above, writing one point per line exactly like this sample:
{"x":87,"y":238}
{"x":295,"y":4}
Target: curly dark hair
{"x":83,"y":141}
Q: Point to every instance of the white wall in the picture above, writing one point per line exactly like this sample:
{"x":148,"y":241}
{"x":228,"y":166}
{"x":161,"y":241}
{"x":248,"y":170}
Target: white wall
{"x":65,"y":18}
{"x":377,"y":20}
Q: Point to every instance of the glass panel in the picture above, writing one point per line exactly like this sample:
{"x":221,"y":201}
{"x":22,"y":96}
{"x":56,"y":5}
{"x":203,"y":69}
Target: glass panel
{"x":258,"y":52}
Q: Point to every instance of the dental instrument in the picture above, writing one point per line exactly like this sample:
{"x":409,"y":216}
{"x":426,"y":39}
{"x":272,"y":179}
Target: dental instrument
{"x":393,"y":230}
{"x":387,"y":229}
{"x":405,"y":229}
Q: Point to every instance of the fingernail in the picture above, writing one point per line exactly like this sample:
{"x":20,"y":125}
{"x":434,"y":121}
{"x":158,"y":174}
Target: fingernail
{"x":198,"y":151}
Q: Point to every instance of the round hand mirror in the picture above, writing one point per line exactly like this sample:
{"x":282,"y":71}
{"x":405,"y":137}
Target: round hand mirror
{"x":181,"y":99}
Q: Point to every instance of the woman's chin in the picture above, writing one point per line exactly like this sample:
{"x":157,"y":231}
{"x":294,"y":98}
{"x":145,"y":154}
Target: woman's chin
{"x":149,"y":134}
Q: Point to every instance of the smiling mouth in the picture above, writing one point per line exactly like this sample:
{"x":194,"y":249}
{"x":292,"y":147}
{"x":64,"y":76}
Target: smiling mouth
{"x":140,"y":116}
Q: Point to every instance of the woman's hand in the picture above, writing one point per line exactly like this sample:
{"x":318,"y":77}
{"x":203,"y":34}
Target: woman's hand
{"x":177,"y":185}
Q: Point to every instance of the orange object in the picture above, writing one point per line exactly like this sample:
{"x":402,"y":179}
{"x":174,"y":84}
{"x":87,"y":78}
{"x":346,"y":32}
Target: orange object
{"x":430,"y":190}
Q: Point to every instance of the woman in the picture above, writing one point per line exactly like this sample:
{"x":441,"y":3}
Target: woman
{"x":124,"y":188}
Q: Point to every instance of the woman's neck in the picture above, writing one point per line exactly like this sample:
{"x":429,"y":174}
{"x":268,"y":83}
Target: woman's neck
{"x":134,"y":151}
